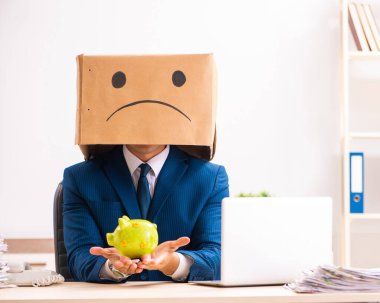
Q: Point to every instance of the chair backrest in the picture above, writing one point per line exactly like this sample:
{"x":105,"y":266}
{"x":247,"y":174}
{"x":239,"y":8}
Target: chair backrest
{"x":61,"y":266}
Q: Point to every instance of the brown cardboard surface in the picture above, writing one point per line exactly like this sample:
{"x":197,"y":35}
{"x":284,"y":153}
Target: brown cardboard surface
{"x":155,"y":99}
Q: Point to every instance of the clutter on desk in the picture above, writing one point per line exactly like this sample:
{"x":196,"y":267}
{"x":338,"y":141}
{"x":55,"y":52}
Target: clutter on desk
{"x":35,"y":277}
{"x":13,"y":274}
{"x":22,"y":274}
{"x":3,"y":265}
{"x":325,"y":279}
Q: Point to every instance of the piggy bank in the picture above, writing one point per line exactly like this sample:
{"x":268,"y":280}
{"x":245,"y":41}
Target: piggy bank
{"x":134,"y":238}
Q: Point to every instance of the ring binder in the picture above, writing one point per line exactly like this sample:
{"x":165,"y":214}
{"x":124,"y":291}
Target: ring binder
{"x":356,"y":182}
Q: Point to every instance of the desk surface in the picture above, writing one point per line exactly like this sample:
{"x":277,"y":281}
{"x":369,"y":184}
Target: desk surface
{"x":168,"y":292}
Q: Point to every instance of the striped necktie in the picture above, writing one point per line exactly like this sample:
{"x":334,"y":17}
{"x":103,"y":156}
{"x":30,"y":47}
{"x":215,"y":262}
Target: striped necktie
{"x":143,"y":193}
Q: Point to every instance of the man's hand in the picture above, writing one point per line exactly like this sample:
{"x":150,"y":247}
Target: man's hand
{"x":121,"y":263}
{"x":164,"y":258}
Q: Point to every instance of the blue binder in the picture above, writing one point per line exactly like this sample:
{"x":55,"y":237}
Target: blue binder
{"x":356,"y":182}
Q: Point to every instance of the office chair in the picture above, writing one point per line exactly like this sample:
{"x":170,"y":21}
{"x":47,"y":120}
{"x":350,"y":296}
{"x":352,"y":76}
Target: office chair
{"x":61,"y":266}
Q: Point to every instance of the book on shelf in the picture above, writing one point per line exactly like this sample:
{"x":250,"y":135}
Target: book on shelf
{"x":356,"y":28}
{"x":366,"y":27}
{"x":372,"y":24}
{"x":356,"y":182}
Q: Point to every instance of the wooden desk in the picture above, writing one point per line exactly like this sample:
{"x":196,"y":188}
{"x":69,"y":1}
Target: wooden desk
{"x":167,"y":292}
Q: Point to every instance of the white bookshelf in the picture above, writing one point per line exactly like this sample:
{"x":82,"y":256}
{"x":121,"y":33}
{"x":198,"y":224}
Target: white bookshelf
{"x":359,"y":55}
{"x":364,"y":216}
{"x":364,"y":135}
{"x":348,"y":56}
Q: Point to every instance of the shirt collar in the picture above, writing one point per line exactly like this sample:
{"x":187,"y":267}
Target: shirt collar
{"x":156,"y":163}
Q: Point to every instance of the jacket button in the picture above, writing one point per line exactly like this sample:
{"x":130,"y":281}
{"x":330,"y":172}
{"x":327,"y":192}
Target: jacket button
{"x":143,"y":276}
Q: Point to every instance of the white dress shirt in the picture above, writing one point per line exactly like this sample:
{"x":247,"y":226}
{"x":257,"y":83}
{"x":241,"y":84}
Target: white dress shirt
{"x":156,"y":164}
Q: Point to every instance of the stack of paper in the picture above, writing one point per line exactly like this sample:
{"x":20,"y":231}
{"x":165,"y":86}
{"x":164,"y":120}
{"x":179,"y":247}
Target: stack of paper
{"x":332,"y":278}
{"x":3,"y":265}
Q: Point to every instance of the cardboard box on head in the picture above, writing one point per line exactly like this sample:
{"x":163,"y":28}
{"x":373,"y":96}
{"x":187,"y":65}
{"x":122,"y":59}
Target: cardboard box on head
{"x":147,"y":99}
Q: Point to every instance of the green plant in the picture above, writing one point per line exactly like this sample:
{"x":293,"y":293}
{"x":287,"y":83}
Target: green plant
{"x":259,"y":194}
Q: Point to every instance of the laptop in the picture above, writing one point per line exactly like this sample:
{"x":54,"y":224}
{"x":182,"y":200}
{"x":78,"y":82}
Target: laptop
{"x":270,"y":241}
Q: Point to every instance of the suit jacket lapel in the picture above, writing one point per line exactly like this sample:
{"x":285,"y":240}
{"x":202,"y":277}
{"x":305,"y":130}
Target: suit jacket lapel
{"x":118,"y":173}
{"x":174,"y":168}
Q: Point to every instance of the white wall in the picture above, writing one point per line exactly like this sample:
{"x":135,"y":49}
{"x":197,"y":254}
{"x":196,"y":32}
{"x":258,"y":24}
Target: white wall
{"x":278,"y":115}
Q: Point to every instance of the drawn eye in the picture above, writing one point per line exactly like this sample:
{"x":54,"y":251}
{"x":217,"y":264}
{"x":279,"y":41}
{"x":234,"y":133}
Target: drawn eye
{"x":178,"y":78}
{"x":118,"y":80}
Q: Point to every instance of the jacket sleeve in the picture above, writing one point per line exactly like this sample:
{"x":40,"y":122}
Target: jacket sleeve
{"x":205,"y":239}
{"x":80,"y":234}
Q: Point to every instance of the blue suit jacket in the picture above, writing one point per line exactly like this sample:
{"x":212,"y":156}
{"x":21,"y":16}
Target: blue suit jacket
{"x":186,"y":202}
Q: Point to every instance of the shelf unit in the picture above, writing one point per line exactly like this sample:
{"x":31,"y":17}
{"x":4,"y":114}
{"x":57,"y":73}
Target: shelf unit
{"x":346,"y":57}
{"x":364,"y":216}
{"x":364,"y":135}
{"x":367,"y":56}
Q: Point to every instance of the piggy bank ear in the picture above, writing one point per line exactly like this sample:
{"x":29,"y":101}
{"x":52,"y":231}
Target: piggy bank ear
{"x":126,"y":218}
{"x":155,"y":226}
{"x":110,"y":239}
{"x":122,"y":223}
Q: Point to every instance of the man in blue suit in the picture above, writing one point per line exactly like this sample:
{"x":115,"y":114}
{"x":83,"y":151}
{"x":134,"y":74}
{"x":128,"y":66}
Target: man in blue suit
{"x":154,"y":101}
{"x":186,"y":194}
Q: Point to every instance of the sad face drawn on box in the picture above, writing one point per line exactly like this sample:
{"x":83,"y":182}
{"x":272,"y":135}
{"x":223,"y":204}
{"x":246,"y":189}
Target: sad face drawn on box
{"x":158,"y":99}
{"x":119,"y":80}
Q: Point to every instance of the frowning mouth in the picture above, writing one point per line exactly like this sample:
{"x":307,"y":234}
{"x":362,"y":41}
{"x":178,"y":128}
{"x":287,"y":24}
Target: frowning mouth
{"x":149,"y":101}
